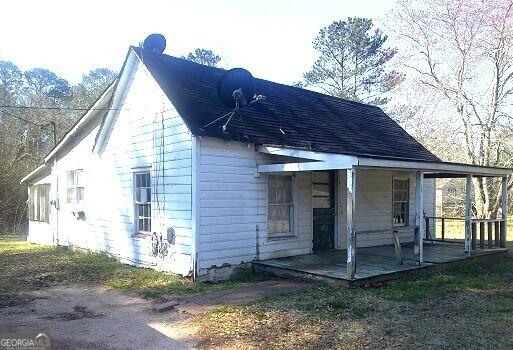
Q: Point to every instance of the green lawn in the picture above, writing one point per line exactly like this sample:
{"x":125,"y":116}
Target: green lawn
{"x":26,"y":266}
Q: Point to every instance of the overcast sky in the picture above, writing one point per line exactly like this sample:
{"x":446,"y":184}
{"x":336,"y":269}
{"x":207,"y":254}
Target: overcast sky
{"x":271,"y":38}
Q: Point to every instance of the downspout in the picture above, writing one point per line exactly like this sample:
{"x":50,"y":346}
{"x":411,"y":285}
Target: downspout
{"x":195,"y":207}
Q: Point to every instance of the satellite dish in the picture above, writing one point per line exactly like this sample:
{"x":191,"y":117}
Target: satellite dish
{"x":236,"y":85}
{"x":155,"y":43}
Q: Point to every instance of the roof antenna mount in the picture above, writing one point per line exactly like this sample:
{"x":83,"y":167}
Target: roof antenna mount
{"x":236,"y":90}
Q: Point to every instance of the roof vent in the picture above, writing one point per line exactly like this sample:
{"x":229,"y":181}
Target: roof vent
{"x":155,"y":43}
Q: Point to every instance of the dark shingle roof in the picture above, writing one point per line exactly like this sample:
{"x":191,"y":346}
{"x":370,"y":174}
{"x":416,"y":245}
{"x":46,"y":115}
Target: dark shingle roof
{"x":310,"y":120}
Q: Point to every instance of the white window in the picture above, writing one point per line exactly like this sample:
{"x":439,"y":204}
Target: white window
{"x":39,"y":203}
{"x":75,"y":192}
{"x":401,"y":201}
{"x":142,"y":202}
{"x":280,"y":205}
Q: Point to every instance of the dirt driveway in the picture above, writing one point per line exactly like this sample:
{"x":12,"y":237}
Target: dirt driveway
{"x":96,"y":318}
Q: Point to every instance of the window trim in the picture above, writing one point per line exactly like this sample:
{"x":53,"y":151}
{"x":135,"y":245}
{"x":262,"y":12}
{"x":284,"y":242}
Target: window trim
{"x":407,"y":214}
{"x":75,"y":187}
{"x":293,"y":226}
{"x":136,"y":172}
{"x":35,"y":197}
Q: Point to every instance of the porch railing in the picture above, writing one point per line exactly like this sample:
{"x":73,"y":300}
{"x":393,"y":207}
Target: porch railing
{"x":491,"y":231}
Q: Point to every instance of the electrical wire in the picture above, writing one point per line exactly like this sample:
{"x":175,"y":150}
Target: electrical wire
{"x":23,"y":119}
{"x":61,"y":108}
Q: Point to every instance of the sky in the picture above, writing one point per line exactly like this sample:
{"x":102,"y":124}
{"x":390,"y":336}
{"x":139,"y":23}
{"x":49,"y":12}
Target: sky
{"x":272,"y":39}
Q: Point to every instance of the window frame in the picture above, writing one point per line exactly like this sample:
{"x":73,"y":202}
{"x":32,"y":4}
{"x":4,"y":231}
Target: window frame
{"x":292,"y":209}
{"x":75,"y":186}
{"x":407,"y":201}
{"x":136,"y":203}
{"x":38,"y":194}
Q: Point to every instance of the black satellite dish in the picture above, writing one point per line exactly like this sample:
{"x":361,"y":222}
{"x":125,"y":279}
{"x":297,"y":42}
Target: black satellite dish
{"x":236,"y":85}
{"x":155,"y":42}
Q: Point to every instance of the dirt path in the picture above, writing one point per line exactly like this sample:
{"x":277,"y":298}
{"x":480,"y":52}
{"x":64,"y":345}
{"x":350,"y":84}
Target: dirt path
{"x":96,"y":318}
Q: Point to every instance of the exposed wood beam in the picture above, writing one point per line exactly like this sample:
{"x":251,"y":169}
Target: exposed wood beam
{"x":297,"y":153}
{"x":333,"y":161}
{"x":434,"y":167}
{"x":307,"y":166}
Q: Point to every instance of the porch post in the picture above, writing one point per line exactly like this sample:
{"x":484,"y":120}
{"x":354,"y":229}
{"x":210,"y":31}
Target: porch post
{"x":351,"y":235}
{"x":504,"y":204}
{"x":468,"y":214}
{"x":419,"y":216}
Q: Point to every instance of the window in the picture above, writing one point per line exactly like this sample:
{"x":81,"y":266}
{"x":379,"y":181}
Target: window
{"x":142,"y":198}
{"x":75,"y":193}
{"x":280,"y":206}
{"x":39,"y":203}
{"x":401,"y":201}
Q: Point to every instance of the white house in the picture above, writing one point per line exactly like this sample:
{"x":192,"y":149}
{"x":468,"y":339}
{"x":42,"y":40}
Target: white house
{"x":147,"y":177}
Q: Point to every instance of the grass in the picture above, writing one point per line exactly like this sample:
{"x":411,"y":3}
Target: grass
{"x":470,"y":307}
{"x":27,"y":266}
{"x":475,"y":276}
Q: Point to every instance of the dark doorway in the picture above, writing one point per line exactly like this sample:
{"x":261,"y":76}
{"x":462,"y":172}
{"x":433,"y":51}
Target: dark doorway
{"x":323,"y":210}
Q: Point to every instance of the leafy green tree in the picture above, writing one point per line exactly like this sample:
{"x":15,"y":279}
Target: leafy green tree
{"x":352,"y":62}
{"x":204,"y":56}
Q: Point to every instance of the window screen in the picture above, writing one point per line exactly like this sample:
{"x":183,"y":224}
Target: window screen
{"x":280,"y":205}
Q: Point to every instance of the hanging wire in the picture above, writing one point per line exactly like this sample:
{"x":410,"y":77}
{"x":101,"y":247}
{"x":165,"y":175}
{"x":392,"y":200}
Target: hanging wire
{"x":218,"y":119}
{"x":61,"y":108}
{"x":23,"y":119}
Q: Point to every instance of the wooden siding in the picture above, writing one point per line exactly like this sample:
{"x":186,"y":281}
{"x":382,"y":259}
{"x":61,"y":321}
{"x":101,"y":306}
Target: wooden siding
{"x":233,"y":209}
{"x":374,"y":223}
{"x":129,"y":147}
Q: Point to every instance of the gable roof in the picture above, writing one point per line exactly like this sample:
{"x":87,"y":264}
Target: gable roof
{"x":309,"y":120}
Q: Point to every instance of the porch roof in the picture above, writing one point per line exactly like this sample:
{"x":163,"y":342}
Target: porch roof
{"x":38,"y":172}
{"x":309,"y":161}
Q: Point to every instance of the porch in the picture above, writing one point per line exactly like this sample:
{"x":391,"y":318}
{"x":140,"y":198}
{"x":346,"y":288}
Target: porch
{"x":392,"y":213}
{"x":374,"y":263}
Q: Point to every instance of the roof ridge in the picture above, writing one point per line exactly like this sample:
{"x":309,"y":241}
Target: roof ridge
{"x":186,"y":61}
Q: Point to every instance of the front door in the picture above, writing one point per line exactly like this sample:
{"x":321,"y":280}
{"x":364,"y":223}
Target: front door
{"x":323,"y":210}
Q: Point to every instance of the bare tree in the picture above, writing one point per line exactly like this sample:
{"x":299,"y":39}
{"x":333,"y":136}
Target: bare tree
{"x":463,"y":51}
{"x":24,"y":120}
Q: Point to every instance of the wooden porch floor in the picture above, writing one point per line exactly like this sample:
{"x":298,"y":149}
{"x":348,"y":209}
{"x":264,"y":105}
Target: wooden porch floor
{"x":373,"y":263}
